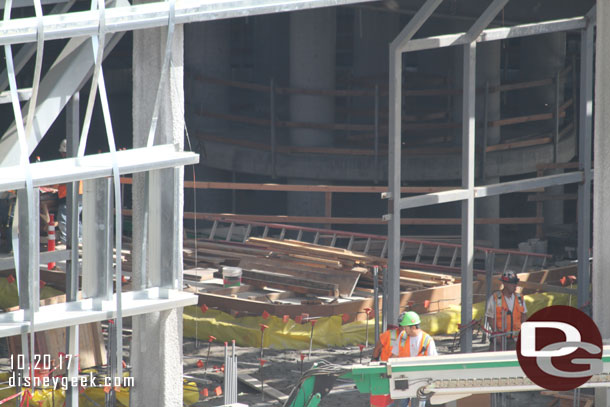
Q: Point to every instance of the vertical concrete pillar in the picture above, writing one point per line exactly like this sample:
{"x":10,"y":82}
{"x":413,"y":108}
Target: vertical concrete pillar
{"x":542,"y":56}
{"x":207,"y":52}
{"x":373,"y":32}
{"x":600,"y":280}
{"x":156,"y":347}
{"x":488,"y":72}
{"x":271,"y":43}
{"x":312,"y":66}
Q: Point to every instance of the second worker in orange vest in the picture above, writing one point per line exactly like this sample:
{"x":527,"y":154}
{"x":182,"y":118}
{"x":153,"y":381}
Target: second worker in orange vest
{"x":405,"y":341}
{"x":505,"y":312}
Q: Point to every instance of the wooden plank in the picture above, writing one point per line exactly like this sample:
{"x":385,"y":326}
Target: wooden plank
{"x":346,"y":281}
{"x":290,"y":283}
{"x":256,"y":385}
{"x":519,"y":144}
{"x":521,"y":85}
{"x":289,"y":246}
{"x":234,"y":290}
{"x":548,"y":276}
{"x":441,"y":297}
{"x":424,"y":275}
{"x":547,"y":287}
{"x":270,"y":297}
{"x":198,"y":274}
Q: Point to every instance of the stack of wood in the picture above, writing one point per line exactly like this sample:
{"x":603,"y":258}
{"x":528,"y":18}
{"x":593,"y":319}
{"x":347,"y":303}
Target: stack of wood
{"x":301,"y":267}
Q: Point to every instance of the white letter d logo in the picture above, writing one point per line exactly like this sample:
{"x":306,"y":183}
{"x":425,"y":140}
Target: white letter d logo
{"x":528,"y":338}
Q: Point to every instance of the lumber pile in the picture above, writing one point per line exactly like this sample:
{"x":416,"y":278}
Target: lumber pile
{"x":300,"y":268}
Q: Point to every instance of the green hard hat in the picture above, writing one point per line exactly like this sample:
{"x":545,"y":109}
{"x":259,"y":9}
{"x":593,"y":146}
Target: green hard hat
{"x":409,"y":318}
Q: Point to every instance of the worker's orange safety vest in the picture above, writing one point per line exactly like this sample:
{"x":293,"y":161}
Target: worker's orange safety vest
{"x":386,"y":339}
{"x":405,"y":349}
{"x":62,"y":190}
{"x":512,"y":318}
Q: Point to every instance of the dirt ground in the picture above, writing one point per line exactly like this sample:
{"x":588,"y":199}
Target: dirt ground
{"x":283,"y":369}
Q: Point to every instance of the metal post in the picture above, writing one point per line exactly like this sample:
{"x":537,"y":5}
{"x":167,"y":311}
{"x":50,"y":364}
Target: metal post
{"x":384,"y":299}
{"x":272,"y":120}
{"x":485,"y":130}
{"x":468,"y":158}
{"x":110,"y":398}
{"x":72,"y":240}
{"x":97,"y":240}
{"x":376,"y":169}
{"x":376,"y":301}
{"x":584,"y":158}
{"x":392,"y":277}
{"x":556,"y":116}
{"x":468,"y":129}
{"x":164,"y":270}
{"x":490,"y":261}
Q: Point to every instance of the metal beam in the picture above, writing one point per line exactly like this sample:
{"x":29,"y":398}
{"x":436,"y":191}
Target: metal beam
{"x":527,"y":184}
{"x":484,"y":20}
{"x":415,"y":24}
{"x":584,"y":159}
{"x":83,"y":311}
{"x":392,"y":283}
{"x":490,"y":190}
{"x":69,"y":72}
{"x":150,"y":15}
{"x":27,"y":51}
{"x":468,"y":159}
{"x":434,"y":198}
{"x":96,"y":166}
{"x":29,"y":250}
{"x":97,"y":240}
{"x":468,"y":134}
{"x":72,"y":241}
{"x":495,"y":34}
{"x":163,"y":266}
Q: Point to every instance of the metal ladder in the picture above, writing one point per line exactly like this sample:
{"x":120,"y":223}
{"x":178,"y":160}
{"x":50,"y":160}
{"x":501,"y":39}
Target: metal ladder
{"x":414,"y":253}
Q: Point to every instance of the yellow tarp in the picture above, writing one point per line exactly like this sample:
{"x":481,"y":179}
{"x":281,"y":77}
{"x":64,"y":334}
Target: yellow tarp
{"x":329,"y":331}
{"x":10,"y":298}
{"x":90,"y":397}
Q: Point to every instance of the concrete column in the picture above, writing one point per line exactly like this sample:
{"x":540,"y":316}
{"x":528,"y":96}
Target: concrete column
{"x":600,"y":280}
{"x":488,"y":71}
{"x":542,"y":56}
{"x":207,"y":48}
{"x":271,"y":58}
{"x":156,"y":351}
{"x":312,"y":66}
{"x":207,"y":52}
{"x":373,"y":32}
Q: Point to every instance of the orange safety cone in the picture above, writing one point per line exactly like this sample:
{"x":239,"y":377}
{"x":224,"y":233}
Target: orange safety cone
{"x":51,"y":240}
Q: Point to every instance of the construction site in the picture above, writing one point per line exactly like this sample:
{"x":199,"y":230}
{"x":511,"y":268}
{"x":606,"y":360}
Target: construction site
{"x":257,"y":202}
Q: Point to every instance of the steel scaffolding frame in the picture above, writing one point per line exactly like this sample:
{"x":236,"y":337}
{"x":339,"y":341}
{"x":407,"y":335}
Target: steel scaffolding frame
{"x":102,"y":199}
{"x":404,"y":43}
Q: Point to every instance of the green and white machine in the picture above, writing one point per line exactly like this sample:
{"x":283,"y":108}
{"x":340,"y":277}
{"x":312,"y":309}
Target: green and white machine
{"x":440,"y":379}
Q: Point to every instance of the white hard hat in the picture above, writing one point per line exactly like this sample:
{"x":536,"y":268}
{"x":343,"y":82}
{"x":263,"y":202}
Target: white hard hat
{"x":63,"y":145}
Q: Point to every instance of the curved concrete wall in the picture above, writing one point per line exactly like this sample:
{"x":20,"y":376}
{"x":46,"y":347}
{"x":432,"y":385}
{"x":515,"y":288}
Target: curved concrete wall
{"x":325,"y":167}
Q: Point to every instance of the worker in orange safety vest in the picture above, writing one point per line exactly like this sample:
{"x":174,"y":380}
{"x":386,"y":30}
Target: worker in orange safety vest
{"x":405,"y":341}
{"x":505,"y":313}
